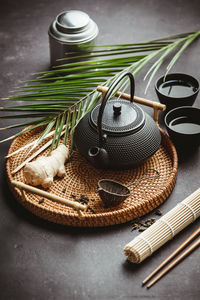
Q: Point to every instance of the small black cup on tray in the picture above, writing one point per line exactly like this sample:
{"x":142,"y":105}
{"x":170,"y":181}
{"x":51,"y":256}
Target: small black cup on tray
{"x":183,"y":126}
{"x":177,"y":89}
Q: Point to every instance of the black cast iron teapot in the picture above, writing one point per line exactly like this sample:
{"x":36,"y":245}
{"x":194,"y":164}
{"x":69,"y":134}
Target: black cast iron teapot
{"x":117,"y":134}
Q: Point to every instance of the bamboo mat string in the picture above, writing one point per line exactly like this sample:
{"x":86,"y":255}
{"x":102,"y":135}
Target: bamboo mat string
{"x":169,"y":225}
{"x":148,"y":243}
{"x":190,"y":208}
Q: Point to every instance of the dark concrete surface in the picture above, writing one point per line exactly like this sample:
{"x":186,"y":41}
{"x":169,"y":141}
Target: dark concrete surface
{"x":40,"y":260}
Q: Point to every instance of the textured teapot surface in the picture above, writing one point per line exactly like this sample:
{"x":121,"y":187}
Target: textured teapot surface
{"x":117,"y":134}
{"x":131,"y":136}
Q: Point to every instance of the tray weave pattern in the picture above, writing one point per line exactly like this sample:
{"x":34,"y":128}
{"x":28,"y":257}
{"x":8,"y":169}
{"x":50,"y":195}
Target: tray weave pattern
{"x":82,"y":178}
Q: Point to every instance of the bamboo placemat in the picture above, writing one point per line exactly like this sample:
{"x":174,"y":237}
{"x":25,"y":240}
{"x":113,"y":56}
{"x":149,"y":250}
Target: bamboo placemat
{"x":82,"y":178}
{"x":163,"y":230}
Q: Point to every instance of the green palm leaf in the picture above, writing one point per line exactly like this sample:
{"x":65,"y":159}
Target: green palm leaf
{"x":63,"y":95}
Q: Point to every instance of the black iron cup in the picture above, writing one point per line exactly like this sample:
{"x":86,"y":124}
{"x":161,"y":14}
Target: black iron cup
{"x":177,"y":89}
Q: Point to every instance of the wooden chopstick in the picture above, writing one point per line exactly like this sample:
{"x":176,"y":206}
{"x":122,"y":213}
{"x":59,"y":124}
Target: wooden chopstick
{"x":176,"y":261}
{"x":31,"y":189}
{"x":31,"y":144}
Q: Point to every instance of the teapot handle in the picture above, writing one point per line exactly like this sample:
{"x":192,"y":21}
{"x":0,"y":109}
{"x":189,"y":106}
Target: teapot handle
{"x":155,"y":105}
{"x":102,"y":137}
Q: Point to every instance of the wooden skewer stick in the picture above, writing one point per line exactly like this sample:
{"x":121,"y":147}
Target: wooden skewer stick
{"x":30,"y":144}
{"x":45,"y":146}
{"x":170,"y":257}
{"x":156,"y":106}
{"x":31,"y":189}
{"x":174,"y":262}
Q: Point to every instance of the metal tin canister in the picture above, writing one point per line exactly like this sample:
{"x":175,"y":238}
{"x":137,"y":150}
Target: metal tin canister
{"x":68,"y":32}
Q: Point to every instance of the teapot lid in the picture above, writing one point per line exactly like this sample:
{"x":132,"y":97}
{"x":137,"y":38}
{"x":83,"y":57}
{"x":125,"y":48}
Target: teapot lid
{"x":119,"y":117}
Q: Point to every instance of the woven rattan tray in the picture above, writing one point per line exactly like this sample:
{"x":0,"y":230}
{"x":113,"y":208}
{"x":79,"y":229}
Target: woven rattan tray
{"x":82,"y":178}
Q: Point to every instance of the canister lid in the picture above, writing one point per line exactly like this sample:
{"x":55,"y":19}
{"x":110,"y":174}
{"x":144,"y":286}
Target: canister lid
{"x":73,"y":27}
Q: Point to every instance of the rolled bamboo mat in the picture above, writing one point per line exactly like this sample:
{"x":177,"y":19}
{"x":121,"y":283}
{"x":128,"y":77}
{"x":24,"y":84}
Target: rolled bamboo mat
{"x":164,"y":229}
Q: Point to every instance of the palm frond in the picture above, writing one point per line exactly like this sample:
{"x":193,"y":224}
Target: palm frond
{"x":68,"y":91}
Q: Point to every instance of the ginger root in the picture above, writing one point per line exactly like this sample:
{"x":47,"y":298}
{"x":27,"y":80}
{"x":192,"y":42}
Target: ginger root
{"x":43,"y":169}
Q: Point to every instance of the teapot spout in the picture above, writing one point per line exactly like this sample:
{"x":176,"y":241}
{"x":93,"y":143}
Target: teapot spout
{"x":98,"y":157}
